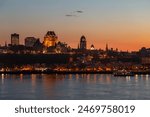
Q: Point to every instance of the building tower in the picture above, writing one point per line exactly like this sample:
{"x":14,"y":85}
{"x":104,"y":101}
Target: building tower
{"x":83,"y":44}
{"x":14,"y":39}
{"x":50,"y":39}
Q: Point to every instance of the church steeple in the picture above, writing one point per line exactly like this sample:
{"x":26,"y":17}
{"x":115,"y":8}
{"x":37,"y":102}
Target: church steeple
{"x":106,"y":47}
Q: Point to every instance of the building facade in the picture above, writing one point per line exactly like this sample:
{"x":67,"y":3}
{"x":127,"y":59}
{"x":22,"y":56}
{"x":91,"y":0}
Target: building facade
{"x":14,"y":39}
{"x":83,"y":43}
{"x":50,"y":39}
{"x":30,"y":41}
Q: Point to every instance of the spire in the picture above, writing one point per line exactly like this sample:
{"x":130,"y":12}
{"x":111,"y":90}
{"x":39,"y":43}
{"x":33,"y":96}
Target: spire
{"x":78,"y":46}
{"x":106,"y":47}
{"x":5,"y":43}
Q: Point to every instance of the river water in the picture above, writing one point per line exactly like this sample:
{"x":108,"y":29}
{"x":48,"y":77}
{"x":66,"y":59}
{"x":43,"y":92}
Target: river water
{"x":74,"y":87}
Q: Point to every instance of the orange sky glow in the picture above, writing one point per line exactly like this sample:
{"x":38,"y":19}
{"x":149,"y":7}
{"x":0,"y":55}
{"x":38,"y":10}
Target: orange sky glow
{"x":121,"y":24}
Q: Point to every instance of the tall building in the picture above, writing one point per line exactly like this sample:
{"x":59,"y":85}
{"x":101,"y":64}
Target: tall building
{"x":14,"y":39}
{"x":50,"y":39}
{"x":30,"y":41}
{"x":83,"y":44}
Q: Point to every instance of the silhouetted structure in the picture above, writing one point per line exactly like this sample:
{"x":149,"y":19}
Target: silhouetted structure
{"x":30,"y":41}
{"x":107,"y":48}
{"x":14,"y":39}
{"x":83,"y":43}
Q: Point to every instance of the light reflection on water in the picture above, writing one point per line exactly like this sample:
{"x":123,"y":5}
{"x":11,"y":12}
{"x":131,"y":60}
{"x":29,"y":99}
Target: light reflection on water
{"x":74,"y":86}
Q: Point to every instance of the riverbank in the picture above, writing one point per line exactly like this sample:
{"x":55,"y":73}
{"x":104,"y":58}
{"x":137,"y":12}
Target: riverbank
{"x":67,"y":72}
{"x":55,"y":72}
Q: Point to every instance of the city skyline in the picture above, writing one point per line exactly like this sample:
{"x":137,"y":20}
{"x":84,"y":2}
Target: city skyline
{"x":121,"y":24}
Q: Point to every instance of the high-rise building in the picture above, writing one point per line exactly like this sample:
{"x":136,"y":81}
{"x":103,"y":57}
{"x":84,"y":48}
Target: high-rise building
{"x":50,"y":39}
{"x":30,"y":41}
{"x":83,"y":44}
{"x":14,"y":39}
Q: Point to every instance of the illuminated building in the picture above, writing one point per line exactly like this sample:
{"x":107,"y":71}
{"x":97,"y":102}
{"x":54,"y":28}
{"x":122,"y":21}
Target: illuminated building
{"x":146,"y":60}
{"x":92,"y":47}
{"x":14,"y":39}
{"x":83,"y":44}
{"x":50,"y":39}
{"x":30,"y":41}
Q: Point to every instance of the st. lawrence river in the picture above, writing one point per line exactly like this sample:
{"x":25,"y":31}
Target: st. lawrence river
{"x":74,"y":87}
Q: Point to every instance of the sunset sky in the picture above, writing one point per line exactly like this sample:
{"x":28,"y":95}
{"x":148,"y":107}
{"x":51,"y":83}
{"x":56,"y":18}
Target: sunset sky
{"x":123,"y":24}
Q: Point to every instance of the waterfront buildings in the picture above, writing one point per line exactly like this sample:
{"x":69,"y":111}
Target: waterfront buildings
{"x":39,"y":54}
{"x":14,"y":39}
{"x":145,"y":60}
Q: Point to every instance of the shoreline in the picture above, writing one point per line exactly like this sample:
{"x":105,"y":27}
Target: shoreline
{"x":69,"y":72}
{"x":56,"y":72}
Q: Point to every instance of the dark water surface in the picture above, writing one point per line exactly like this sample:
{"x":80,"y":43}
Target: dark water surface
{"x":74,"y":86}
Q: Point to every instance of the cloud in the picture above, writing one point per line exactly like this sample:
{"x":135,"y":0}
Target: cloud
{"x":79,"y":11}
{"x":74,"y":14}
{"x":70,"y":15}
